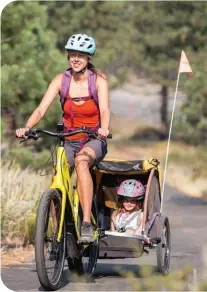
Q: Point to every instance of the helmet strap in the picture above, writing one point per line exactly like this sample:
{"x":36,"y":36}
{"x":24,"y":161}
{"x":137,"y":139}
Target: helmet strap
{"x":82,"y":71}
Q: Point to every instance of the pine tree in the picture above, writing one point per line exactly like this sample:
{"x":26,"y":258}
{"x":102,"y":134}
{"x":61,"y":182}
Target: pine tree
{"x":29,"y":62}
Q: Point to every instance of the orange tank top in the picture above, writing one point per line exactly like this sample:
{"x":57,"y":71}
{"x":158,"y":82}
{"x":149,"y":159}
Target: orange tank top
{"x":86,"y":114}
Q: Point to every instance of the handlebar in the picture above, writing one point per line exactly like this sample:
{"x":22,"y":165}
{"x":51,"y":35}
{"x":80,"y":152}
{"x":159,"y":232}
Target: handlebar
{"x":35,"y":133}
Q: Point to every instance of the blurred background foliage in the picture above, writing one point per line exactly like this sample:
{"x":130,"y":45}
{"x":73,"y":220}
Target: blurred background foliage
{"x":143,"y":38}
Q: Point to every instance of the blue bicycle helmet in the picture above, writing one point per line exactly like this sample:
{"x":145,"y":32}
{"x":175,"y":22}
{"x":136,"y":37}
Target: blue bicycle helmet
{"x":82,"y":43}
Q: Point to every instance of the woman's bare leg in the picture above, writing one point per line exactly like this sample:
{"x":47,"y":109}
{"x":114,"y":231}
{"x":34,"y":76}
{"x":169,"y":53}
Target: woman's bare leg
{"x":84,"y":160}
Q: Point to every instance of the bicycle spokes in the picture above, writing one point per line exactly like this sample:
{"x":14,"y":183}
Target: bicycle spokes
{"x":52,"y":248}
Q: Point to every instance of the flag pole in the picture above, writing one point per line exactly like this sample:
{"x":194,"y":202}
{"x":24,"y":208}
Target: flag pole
{"x":168,"y":143}
{"x":184,"y":67}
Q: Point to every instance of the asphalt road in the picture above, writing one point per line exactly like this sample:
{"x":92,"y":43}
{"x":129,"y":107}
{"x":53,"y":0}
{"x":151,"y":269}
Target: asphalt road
{"x":188,"y":217}
{"x":142,"y":102}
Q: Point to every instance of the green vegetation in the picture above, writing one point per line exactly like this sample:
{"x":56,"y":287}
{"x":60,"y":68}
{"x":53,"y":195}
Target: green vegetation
{"x":180,"y":280}
{"x":30,"y":60}
{"x":163,"y":30}
{"x":143,"y":37}
{"x":25,"y":158}
{"x":21,"y":191}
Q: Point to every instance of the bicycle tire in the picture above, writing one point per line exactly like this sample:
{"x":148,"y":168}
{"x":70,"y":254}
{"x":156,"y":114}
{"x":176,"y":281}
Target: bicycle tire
{"x":41,"y":237}
{"x":77,"y":265}
{"x":163,"y":249}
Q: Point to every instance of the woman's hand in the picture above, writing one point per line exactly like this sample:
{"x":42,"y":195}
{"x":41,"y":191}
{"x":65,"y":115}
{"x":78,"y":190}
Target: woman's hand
{"x":103,"y":132}
{"x":20,"y":133}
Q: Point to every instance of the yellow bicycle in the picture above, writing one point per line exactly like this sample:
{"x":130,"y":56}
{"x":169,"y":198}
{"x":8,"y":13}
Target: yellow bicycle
{"x":59,"y":219}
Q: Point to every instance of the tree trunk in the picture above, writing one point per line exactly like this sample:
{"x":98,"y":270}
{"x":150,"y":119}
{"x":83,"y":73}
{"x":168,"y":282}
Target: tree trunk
{"x":164,"y":112}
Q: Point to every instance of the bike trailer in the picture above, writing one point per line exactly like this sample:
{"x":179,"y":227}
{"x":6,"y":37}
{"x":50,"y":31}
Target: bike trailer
{"x":155,"y":230}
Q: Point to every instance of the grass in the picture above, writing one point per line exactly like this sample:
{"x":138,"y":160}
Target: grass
{"x":179,"y":280}
{"x":21,"y":191}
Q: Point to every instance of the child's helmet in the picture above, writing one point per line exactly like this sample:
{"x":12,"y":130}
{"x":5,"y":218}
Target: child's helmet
{"x":131,"y":188}
{"x":82,"y":43}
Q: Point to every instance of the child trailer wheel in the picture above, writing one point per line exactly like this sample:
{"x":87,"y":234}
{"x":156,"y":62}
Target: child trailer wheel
{"x":163,"y":249}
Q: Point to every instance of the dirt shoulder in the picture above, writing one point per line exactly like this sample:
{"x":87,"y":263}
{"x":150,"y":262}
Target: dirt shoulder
{"x":16,"y":256}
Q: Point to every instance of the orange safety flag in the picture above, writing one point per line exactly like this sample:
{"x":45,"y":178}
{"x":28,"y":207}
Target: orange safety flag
{"x":184,"y":66}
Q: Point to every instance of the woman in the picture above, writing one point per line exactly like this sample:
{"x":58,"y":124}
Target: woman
{"x":84,"y":104}
{"x":129,"y":216}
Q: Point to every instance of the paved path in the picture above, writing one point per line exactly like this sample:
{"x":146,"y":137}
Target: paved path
{"x":188,"y":217}
{"x":141,"y":102}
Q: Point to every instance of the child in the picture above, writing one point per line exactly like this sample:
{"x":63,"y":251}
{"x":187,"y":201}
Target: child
{"x":129,"y":215}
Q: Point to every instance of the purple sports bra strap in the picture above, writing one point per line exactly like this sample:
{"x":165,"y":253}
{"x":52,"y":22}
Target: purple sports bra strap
{"x":66,"y":79}
{"x":92,"y":86}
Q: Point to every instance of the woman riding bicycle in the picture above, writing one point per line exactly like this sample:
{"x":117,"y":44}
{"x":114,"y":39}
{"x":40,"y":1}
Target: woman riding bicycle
{"x":85,"y":103}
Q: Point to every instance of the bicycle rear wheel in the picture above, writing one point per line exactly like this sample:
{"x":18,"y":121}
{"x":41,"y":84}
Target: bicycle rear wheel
{"x":49,"y":253}
{"x":86,"y":263}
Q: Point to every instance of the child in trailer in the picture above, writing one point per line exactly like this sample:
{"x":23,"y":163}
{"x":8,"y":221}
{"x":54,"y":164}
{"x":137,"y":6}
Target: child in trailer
{"x":128,"y":217}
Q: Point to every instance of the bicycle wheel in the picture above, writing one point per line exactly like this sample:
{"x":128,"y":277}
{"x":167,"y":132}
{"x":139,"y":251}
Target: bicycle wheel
{"x":164,"y":247}
{"x":49,"y":254}
{"x":86,"y":263}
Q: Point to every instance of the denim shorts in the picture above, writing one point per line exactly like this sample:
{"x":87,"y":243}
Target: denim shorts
{"x":73,"y":147}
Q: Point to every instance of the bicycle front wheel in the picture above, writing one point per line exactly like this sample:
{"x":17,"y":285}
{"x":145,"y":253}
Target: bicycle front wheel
{"x":49,"y":253}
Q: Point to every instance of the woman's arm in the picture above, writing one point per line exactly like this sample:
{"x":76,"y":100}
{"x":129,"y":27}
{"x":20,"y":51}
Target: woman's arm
{"x":45,"y":103}
{"x":103,"y":98}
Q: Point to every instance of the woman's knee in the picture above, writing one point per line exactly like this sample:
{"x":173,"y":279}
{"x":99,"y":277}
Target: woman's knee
{"x":85,"y":158}
{"x":81,"y":163}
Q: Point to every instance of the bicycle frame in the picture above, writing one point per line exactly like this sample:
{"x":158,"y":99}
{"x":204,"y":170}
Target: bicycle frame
{"x":62,"y":180}
{"x":62,"y":183}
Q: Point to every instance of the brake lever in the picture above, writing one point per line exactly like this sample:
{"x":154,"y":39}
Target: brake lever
{"x":27,"y":137}
{"x":31,"y":134}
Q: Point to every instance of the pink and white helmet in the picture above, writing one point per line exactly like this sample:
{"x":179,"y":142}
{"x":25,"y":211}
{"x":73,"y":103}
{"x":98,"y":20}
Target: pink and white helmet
{"x":131,"y":188}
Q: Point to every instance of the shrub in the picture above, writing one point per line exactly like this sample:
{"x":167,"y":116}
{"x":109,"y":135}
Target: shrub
{"x":21,"y":191}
